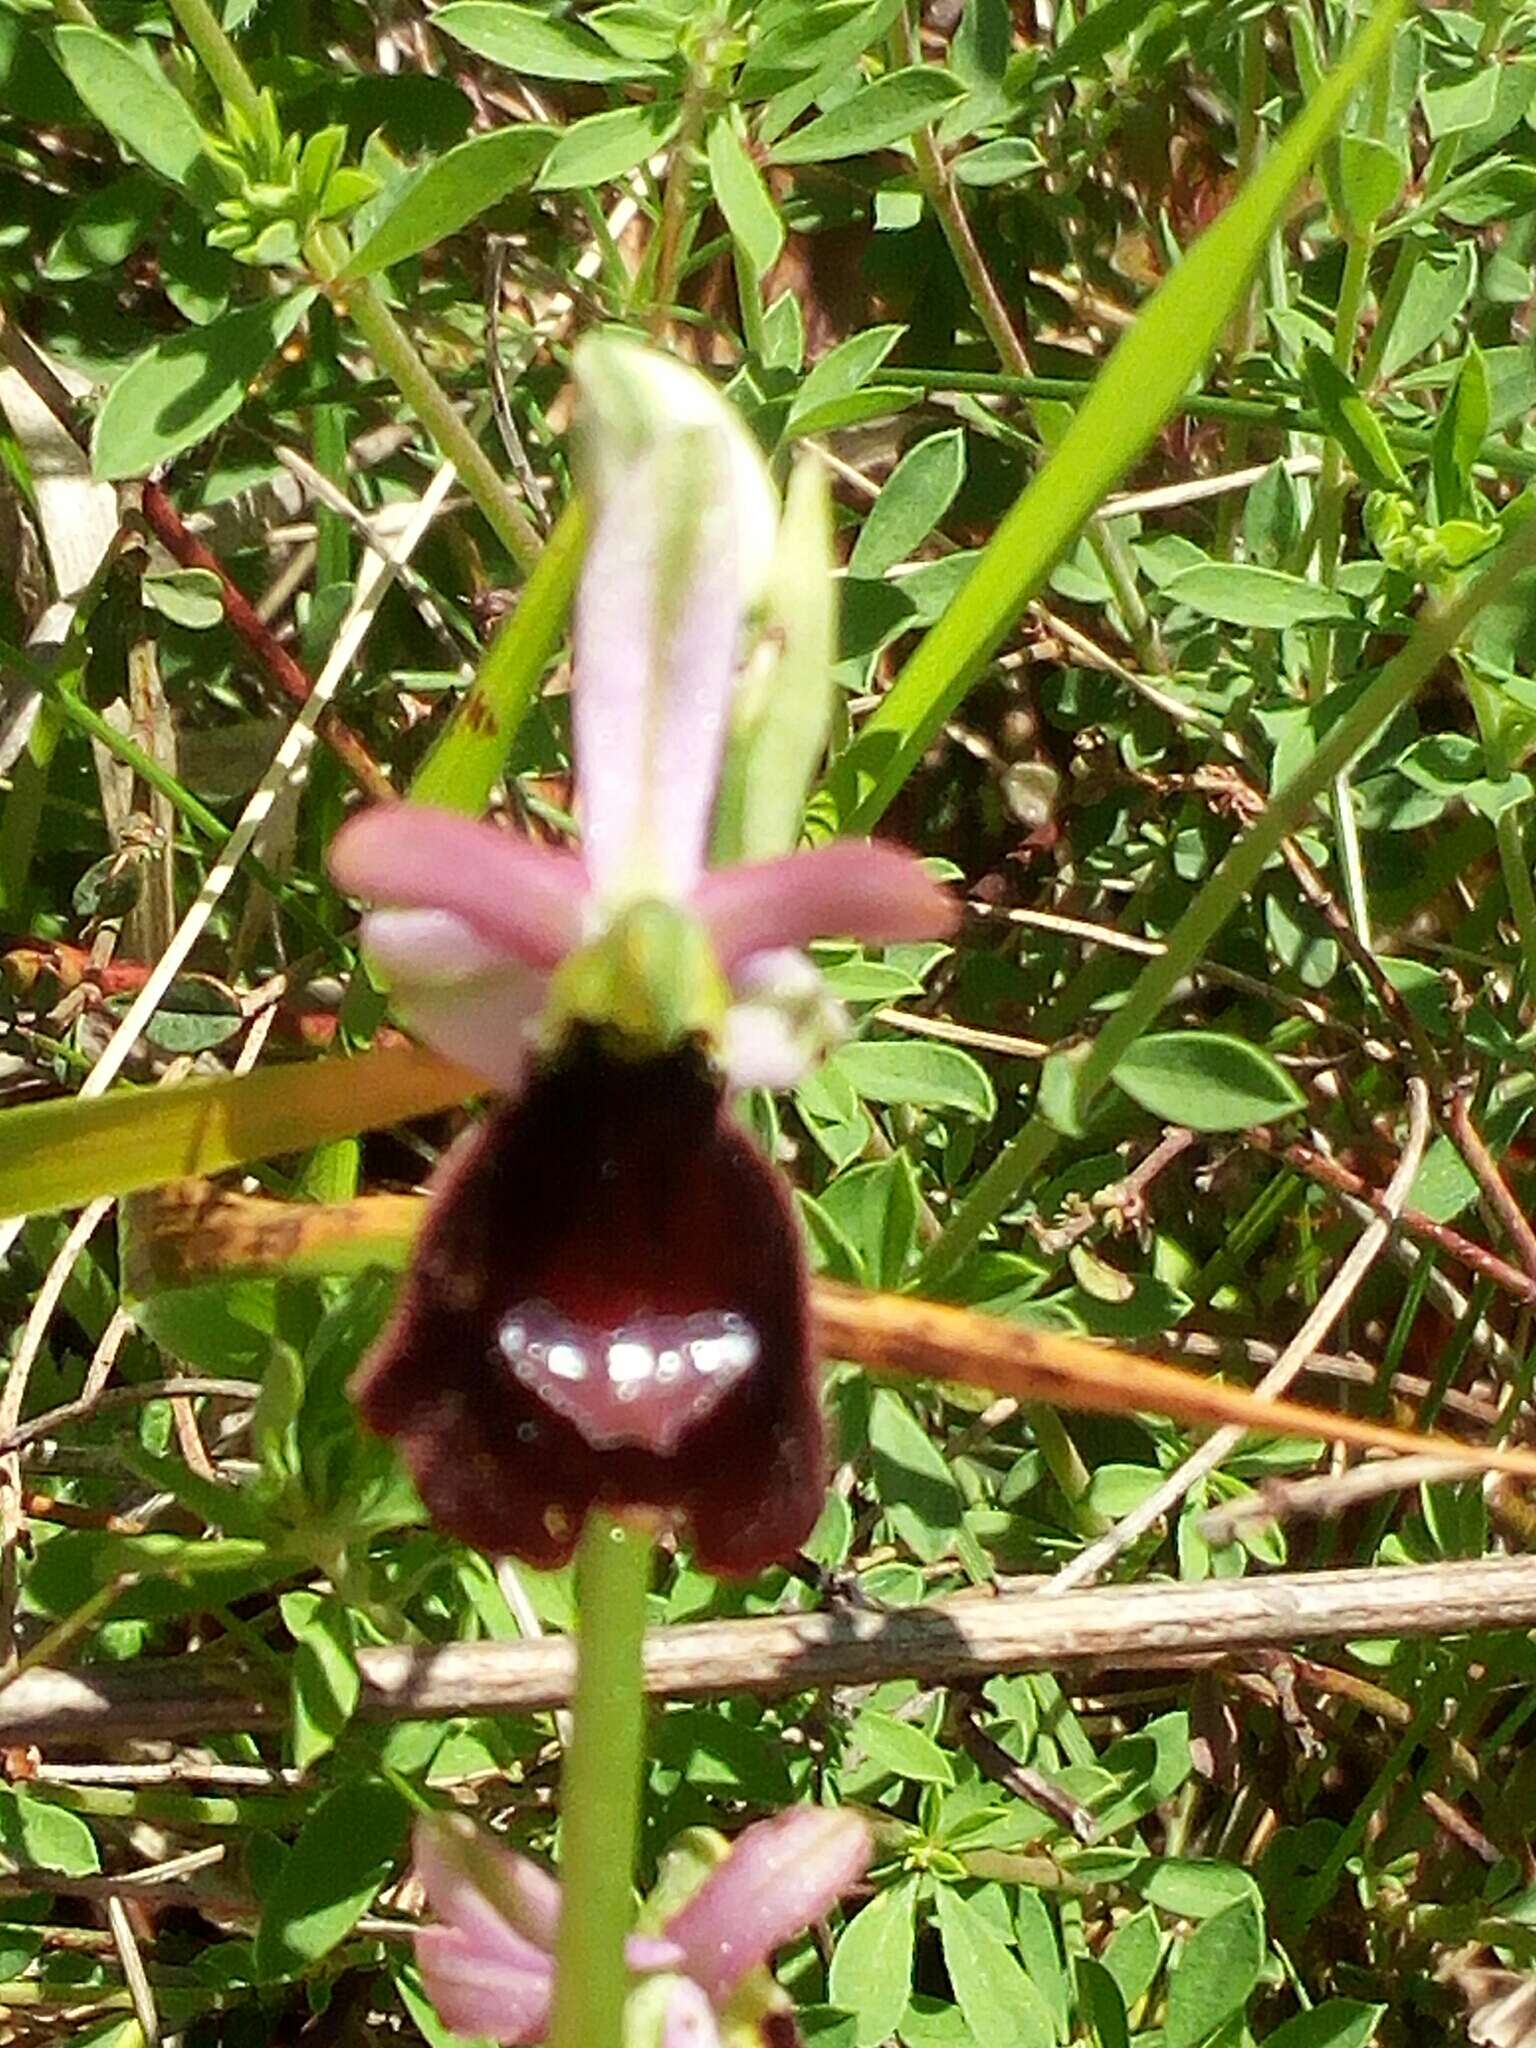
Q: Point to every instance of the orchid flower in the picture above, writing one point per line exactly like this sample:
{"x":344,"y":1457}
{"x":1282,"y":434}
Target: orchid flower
{"x":608,"y":1304}
{"x":702,"y":1982}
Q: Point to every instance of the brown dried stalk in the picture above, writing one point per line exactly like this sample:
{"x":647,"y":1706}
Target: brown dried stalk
{"x":964,"y":1640}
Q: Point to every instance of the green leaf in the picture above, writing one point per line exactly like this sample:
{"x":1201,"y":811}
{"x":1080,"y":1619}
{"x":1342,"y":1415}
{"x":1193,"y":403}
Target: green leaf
{"x":197,"y":1015}
{"x":1132,"y":1954}
{"x":1007,"y":161}
{"x":1145,"y":378}
{"x":177,"y":392}
{"x":1459,"y":435}
{"x":57,"y":1155}
{"x":325,"y":1682}
{"x":835,"y":58}
{"x":1206,"y":1080}
{"x":605,"y":146}
{"x":345,"y":1854}
{"x":136,"y":103}
{"x":898,"y":1747}
{"x":1215,"y":1975}
{"x":104,"y":229}
{"x":1100,"y":1997}
{"x":876,"y":1206}
{"x":193,"y":598}
{"x":871,"y":1973}
{"x":917,"y":494}
{"x":743,"y":198}
{"x":1001,"y":2007}
{"x":873,"y":402}
{"x":919,"y":1075}
{"x":876,"y":116}
{"x":1241,"y":594}
{"x":1353,"y":424}
{"x":1039,"y":1948}
{"x":1370,"y":175}
{"x":1437,"y":291}
{"x":842,"y":370}
{"x":41,"y":1836}
{"x":1336,"y":2023}
{"x":534,"y":44}
{"x":452,"y":191}
{"x":915,"y":1485}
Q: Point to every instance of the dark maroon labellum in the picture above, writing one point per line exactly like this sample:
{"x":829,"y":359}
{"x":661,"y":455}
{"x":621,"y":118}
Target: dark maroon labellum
{"x":607,"y":1309}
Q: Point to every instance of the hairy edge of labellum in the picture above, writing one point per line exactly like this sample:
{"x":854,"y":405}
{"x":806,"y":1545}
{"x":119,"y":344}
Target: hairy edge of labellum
{"x":607,"y":1308}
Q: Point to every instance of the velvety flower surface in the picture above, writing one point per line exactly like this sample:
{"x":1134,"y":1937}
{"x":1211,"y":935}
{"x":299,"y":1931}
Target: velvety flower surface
{"x":607,"y":1308}
{"x":608,"y":1304}
{"x":488,"y":1963}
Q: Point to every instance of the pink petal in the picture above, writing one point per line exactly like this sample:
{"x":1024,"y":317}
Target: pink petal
{"x":690,"y":2018}
{"x":780,"y":1876}
{"x":655,"y":656}
{"x":456,"y":993}
{"x":846,"y":890}
{"x":650,"y":1952}
{"x":524,"y":899}
{"x":478,"y":1993}
{"x":781,"y":1021}
{"x":491,"y":1894}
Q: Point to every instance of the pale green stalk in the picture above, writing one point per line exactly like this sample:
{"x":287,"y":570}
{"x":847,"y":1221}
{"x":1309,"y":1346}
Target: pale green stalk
{"x":1333,"y":488}
{"x":395,"y":354}
{"x":462,"y":769}
{"x":600,"y":1787}
{"x":217,"y":55}
{"x":1441,"y":625}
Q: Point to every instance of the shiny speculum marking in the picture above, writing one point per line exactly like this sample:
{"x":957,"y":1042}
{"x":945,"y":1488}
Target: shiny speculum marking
{"x":643,"y":1384}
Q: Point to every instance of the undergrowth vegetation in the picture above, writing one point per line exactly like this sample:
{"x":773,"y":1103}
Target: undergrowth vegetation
{"x":1170,"y":369}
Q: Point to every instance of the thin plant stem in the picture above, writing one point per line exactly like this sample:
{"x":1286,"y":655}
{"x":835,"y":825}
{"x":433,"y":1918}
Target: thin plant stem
{"x":1515,"y":864}
{"x":674,"y":213}
{"x":395,"y":354}
{"x":217,"y":55}
{"x":1440,"y":627}
{"x":943,"y":195}
{"x":600,"y":1789}
{"x":1332,"y":492}
{"x":1253,"y":76}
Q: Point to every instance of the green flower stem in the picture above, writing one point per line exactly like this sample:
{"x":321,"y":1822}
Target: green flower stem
{"x":394,"y":352}
{"x":600,"y":1790}
{"x":1441,"y":625}
{"x":217,"y":55}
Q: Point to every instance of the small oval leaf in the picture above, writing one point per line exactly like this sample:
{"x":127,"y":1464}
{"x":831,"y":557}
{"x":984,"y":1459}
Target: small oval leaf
{"x":1207,"y":1081}
{"x":874,"y":118}
{"x":451,"y":192}
{"x":180,"y":390}
{"x":1242,"y":594}
{"x":530,"y":42}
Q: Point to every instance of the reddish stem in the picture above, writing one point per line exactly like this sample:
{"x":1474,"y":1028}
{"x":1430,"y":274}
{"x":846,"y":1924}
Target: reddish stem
{"x":288,"y":674}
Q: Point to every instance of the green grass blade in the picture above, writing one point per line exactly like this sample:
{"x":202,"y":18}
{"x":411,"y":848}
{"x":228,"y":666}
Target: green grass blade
{"x":59,"y":1155}
{"x":461,"y":770}
{"x":1138,"y":388}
